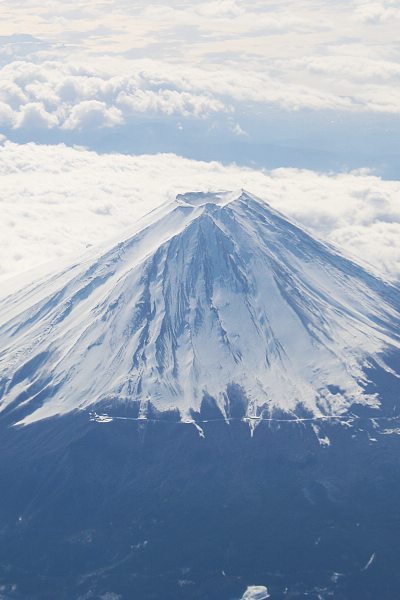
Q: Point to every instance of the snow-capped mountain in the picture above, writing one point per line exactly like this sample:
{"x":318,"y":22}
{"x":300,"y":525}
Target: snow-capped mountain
{"x":211,"y":296}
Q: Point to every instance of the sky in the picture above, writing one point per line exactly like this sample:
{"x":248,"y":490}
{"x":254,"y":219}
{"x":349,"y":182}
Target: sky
{"x":109,"y":107}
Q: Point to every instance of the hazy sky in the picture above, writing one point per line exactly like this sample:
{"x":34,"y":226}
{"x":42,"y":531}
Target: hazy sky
{"x":310,"y":86}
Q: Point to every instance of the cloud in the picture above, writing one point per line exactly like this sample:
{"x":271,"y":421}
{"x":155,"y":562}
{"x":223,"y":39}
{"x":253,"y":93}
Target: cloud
{"x":253,"y":116}
{"x":18,"y":46}
{"x":52,"y":94}
{"x":347,"y":66}
{"x":57,"y":200}
{"x":170,"y":102}
{"x":92,"y":114}
{"x":220,"y":8}
{"x":7,"y":116}
{"x":61,"y":96}
{"x":203,"y":60}
{"x":378,"y":12}
{"x":34,"y":116}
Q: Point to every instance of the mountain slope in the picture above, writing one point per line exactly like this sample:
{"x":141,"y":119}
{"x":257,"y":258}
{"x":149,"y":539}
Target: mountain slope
{"x":214,"y":296}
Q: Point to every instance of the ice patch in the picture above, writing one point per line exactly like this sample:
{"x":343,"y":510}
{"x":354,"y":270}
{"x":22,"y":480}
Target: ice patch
{"x":323,"y":441}
{"x":369,"y":563}
{"x":256,"y":592}
{"x":100,"y":418}
{"x":394,"y":431}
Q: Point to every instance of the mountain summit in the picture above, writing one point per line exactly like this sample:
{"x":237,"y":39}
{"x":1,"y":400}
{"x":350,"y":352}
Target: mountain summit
{"x":214,"y":297}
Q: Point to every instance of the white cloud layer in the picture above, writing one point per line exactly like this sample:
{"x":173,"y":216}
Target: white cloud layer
{"x":54,"y":94}
{"x":308,"y":84}
{"x":194,"y":59}
{"x":56,"y":200}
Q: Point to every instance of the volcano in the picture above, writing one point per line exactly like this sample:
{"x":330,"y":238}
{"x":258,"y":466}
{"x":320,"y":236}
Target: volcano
{"x":207,"y":408}
{"x":216,"y":298}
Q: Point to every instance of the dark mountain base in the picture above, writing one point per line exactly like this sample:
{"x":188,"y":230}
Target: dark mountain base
{"x":132,"y":509}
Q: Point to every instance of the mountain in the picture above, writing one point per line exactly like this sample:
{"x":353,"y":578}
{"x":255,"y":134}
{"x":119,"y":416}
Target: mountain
{"x":205,"y":410}
{"x":213,"y":298}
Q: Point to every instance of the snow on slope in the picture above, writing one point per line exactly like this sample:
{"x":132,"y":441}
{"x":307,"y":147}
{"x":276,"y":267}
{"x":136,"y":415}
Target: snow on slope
{"x":210,"y":290}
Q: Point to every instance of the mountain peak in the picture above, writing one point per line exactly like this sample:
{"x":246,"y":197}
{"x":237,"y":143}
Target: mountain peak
{"x":221,"y":198}
{"x":215,"y":296}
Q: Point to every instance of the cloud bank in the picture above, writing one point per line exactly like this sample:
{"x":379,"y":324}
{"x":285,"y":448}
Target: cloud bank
{"x":56,"y":200}
{"x":195,"y":59}
{"x":54,"y":95}
{"x":306,"y":84}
